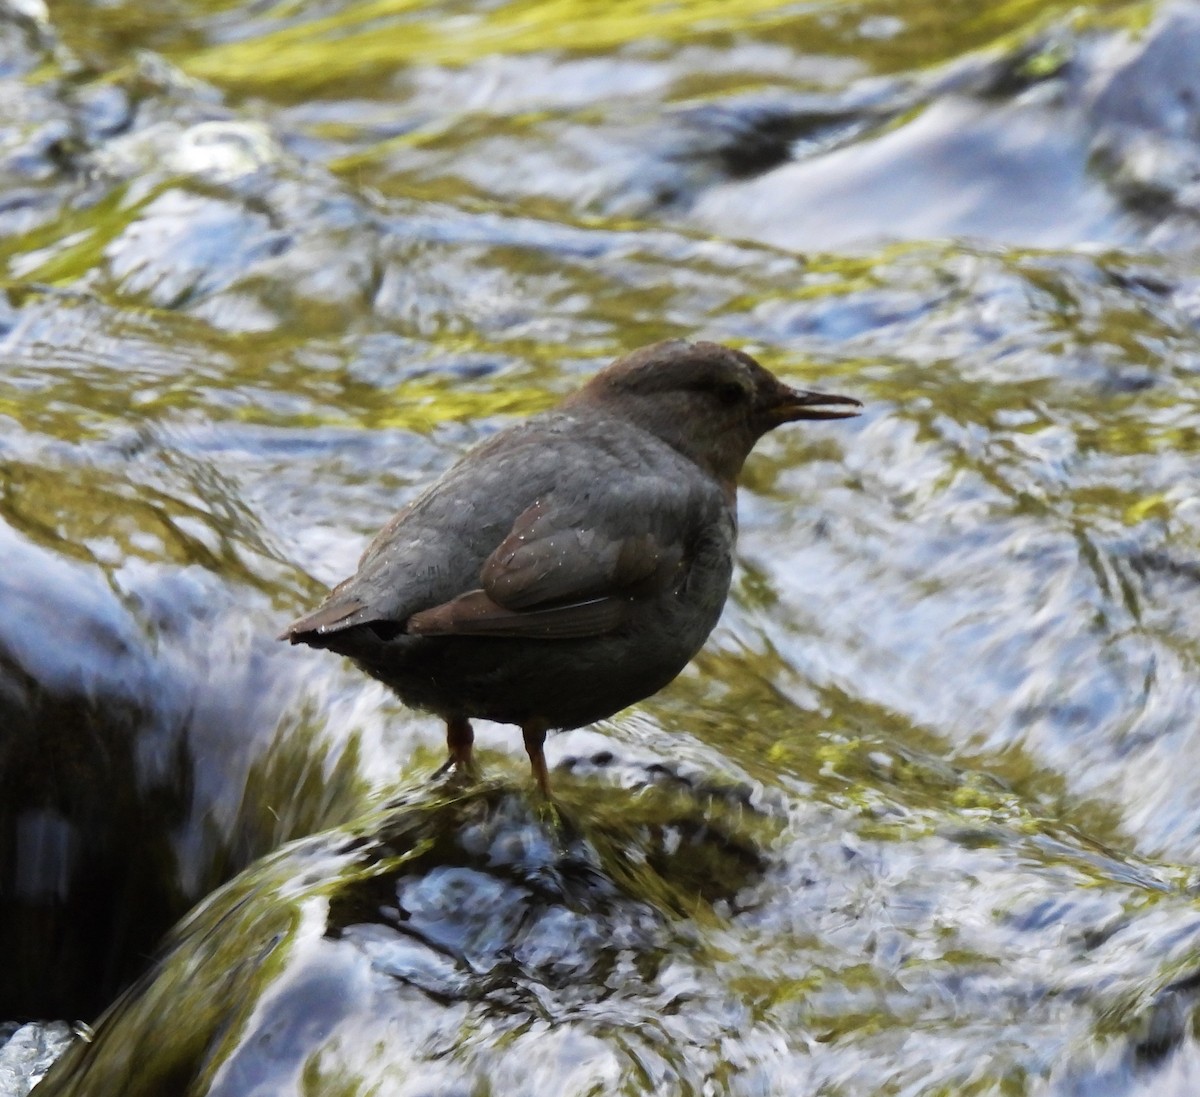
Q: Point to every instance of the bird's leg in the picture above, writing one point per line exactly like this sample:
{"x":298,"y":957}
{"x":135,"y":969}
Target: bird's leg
{"x":459,"y":739}
{"x":535,"y":738}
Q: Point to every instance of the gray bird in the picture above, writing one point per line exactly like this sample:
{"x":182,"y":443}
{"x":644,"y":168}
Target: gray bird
{"x":571,"y":564}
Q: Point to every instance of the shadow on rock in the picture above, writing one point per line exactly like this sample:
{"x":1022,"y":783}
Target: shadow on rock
{"x":452,"y":943}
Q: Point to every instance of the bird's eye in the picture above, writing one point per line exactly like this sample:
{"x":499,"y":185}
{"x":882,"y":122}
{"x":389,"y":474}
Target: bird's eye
{"x":730,"y":392}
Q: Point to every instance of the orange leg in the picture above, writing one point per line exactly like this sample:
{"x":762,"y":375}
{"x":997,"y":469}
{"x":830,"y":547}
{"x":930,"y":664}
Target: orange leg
{"x":459,"y":739}
{"x":535,"y":738}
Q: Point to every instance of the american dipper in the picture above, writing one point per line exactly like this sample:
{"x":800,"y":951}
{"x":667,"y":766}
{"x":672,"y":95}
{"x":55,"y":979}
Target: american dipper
{"x":571,"y":564}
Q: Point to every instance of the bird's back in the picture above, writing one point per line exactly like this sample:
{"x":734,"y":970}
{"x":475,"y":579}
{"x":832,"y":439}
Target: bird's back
{"x":591,"y":472}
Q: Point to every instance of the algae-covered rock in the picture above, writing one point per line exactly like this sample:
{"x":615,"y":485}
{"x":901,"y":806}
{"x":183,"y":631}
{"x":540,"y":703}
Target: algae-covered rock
{"x":453,"y":941}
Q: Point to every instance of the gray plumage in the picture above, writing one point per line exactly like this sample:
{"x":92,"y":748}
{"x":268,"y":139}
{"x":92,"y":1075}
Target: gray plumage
{"x":574,"y":563}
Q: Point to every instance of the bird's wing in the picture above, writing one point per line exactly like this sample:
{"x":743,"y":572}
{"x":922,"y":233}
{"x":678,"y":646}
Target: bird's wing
{"x":559,"y":574}
{"x":335,"y":614}
{"x":566,"y":558}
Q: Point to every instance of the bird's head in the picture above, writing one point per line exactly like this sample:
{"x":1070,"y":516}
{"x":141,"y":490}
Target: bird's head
{"x":710,"y":402}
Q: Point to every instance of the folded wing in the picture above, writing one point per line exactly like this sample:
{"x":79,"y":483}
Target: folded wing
{"x":553,"y":579}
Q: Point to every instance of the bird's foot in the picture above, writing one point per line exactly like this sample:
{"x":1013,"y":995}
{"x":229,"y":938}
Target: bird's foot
{"x":460,"y":740}
{"x":456,"y":772}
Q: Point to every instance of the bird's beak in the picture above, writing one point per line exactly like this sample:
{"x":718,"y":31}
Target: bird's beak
{"x":792,"y":404}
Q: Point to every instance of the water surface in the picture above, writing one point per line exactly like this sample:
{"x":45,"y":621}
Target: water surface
{"x":921,"y":817}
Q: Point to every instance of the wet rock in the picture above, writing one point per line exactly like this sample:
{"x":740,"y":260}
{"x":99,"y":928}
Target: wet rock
{"x":453,"y":941}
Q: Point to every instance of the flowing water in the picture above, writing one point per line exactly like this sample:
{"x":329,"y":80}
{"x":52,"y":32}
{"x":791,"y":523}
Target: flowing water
{"x":924,"y":816}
